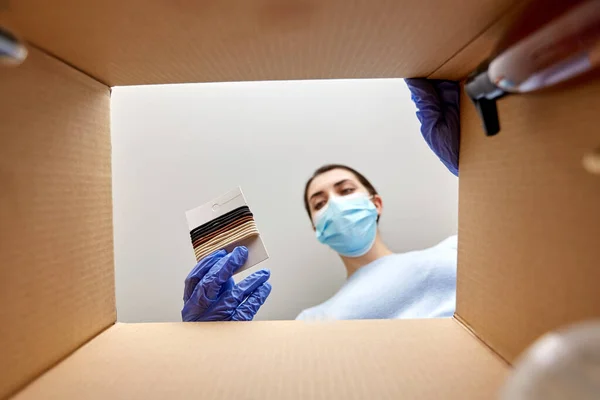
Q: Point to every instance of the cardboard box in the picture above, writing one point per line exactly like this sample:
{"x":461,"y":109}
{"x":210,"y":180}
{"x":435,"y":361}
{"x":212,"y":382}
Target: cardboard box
{"x":528,"y":225}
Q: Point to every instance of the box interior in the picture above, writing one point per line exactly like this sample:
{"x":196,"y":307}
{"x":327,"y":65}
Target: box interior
{"x":528,"y":217}
{"x":382,"y":359}
{"x":56,"y":246}
{"x":527,"y":221}
{"x":138,"y":42}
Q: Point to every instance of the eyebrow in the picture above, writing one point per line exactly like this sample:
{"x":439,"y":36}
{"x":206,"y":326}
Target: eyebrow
{"x":335,"y":185}
{"x":340,"y":183}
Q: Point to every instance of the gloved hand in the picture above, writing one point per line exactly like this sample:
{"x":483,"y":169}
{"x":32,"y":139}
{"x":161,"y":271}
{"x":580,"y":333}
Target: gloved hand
{"x":438,"y":108}
{"x":210,"y":293}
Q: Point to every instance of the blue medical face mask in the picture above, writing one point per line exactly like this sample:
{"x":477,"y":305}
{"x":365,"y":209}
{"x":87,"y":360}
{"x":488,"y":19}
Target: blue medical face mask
{"x":348,"y":224}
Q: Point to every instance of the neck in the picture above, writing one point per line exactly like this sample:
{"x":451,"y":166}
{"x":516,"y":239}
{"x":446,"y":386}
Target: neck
{"x":378,"y":250}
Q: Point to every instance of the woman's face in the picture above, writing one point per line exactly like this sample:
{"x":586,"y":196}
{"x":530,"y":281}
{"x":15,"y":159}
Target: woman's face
{"x":337,"y":182}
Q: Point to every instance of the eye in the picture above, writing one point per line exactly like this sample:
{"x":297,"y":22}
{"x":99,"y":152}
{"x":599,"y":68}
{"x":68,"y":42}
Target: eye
{"x":319,"y":205}
{"x":347,"y":191}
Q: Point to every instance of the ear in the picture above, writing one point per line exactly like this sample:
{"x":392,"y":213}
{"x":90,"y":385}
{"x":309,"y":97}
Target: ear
{"x":378,"y":201}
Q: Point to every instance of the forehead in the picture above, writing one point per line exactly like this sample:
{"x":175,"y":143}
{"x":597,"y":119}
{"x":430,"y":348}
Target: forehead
{"x":326,"y":180}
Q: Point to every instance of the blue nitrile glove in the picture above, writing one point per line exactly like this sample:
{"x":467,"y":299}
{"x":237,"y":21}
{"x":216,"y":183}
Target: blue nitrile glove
{"x":438,"y":105}
{"x":210,"y":293}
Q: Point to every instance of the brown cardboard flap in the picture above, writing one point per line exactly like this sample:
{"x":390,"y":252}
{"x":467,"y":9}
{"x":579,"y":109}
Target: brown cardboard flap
{"x":519,"y":21}
{"x":156,"y":41}
{"x":529,"y":225}
{"x":385,"y":359}
{"x":56,"y":247}
{"x":468,"y":58}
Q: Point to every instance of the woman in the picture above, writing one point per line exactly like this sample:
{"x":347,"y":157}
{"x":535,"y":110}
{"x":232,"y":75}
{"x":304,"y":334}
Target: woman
{"x":345,"y":208}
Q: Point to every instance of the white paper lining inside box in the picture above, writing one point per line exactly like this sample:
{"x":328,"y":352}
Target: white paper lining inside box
{"x":220,"y":206}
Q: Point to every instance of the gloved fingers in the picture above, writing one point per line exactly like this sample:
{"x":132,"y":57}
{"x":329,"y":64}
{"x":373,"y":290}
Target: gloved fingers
{"x":223,"y":270}
{"x":198,"y":300}
{"x":449,"y":92}
{"x":199,"y":271}
{"x":437,"y":103}
{"x":419,"y":84}
{"x":248,"y":309}
{"x":428,"y":103}
{"x":248,"y":285}
{"x":423,"y":93}
{"x":447,"y":133}
{"x":227,"y":302}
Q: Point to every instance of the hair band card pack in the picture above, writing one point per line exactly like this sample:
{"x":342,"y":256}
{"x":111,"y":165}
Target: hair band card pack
{"x":225,"y":223}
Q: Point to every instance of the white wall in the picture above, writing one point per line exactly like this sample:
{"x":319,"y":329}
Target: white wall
{"x":177,"y":146}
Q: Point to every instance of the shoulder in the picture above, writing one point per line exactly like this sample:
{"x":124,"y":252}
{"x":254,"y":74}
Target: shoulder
{"x":442,"y":254}
{"x":316,"y":313}
{"x":304,"y":315}
{"x":327,"y":310}
{"x":433,"y":263}
{"x":450,"y":243}
{"x":446,"y":250}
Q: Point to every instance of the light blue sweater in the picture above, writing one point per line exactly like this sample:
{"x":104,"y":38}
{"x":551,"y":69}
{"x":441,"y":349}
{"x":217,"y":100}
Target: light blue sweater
{"x":418,"y":284}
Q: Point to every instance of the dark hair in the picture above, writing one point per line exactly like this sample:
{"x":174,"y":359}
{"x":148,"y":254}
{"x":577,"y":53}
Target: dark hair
{"x":326,"y":168}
